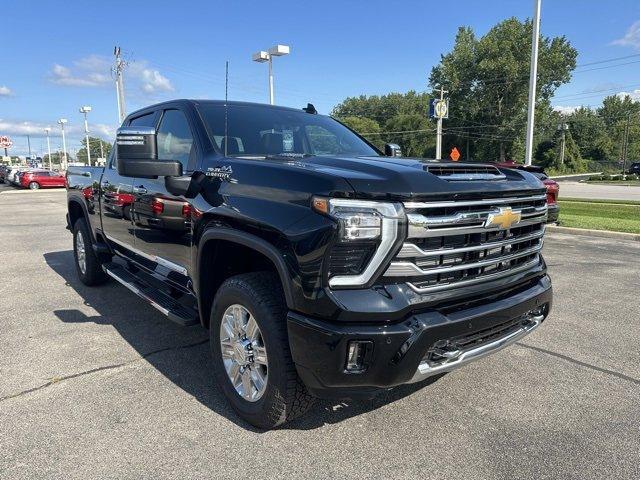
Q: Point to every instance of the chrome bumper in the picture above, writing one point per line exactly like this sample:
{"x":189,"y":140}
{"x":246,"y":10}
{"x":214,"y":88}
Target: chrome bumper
{"x":460,"y":358}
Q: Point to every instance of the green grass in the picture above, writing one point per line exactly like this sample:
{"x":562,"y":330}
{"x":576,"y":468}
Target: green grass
{"x":600,"y":215}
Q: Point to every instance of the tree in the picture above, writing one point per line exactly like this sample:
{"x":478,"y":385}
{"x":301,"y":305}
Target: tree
{"x":413,"y":132}
{"x":487,"y":80}
{"x":95,"y":149}
{"x":382,"y":108}
{"x":366,"y":127}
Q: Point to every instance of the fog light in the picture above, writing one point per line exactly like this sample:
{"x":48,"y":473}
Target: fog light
{"x":358,"y":353}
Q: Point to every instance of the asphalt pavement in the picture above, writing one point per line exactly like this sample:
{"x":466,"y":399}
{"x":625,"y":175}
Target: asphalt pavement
{"x":599,"y":191}
{"x":94,"y":383}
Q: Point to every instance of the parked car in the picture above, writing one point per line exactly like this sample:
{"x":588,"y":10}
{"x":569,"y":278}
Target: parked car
{"x":4,"y":169}
{"x":12,"y":174}
{"x":634,"y":168}
{"x":320,"y":266}
{"x":36,"y":179}
{"x":553,"y":187}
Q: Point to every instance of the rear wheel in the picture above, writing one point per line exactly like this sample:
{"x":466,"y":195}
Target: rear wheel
{"x":251,"y":356}
{"x":88,"y":265}
{"x":34,"y":185}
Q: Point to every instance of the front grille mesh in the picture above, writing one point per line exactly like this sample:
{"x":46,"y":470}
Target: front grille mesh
{"x":449,"y":243}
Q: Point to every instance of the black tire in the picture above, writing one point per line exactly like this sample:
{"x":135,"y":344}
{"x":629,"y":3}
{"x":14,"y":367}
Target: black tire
{"x":34,"y":186}
{"x":93,"y":273}
{"x":285,"y":397}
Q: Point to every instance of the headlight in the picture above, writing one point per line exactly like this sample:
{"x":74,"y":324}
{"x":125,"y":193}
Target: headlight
{"x":362,"y":221}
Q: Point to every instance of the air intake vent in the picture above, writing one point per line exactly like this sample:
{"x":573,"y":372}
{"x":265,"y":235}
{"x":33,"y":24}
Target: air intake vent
{"x":465,"y":172}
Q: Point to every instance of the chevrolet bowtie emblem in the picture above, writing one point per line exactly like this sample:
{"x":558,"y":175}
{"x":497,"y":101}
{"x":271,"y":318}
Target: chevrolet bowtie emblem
{"x":503,"y":218}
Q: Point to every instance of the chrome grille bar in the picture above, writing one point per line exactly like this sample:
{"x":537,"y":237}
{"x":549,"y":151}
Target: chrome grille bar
{"x":410,"y":250}
{"x":410,"y":269}
{"x":473,"y":281}
{"x":420,"y":231}
{"x":467,"y":203}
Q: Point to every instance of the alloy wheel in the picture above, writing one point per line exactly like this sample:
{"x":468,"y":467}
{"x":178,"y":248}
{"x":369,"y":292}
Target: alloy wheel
{"x":81,"y":253}
{"x":243,"y":353}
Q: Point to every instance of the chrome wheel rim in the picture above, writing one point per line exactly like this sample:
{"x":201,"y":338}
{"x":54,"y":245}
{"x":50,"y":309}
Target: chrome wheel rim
{"x":243,"y":353}
{"x":81,"y":252}
{"x":33,"y":186}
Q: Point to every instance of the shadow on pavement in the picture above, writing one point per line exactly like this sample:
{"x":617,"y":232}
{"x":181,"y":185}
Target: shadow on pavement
{"x":182,"y":354}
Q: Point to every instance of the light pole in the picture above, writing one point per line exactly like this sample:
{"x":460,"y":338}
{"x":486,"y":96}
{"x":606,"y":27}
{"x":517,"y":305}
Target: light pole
{"x":533,"y":73}
{"x":61,"y":122}
{"x":262,"y":56}
{"x":47,"y":130}
{"x":84,"y":110}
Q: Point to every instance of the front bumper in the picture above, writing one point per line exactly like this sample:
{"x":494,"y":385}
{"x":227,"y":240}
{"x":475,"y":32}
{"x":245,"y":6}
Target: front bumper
{"x":403,"y":352}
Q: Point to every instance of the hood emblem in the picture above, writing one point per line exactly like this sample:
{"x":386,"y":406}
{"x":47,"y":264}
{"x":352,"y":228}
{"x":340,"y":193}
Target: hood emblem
{"x":504,"y":217}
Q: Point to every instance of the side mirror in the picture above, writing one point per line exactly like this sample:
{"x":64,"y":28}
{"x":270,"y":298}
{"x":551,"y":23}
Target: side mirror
{"x":137,"y":155}
{"x":392,"y":150}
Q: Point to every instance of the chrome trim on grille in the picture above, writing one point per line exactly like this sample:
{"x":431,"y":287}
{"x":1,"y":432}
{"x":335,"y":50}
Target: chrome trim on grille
{"x":473,"y":281}
{"x":410,"y":250}
{"x":469,"y":217}
{"x":410,"y":269}
{"x":466,"y":203}
{"x":420,"y":231}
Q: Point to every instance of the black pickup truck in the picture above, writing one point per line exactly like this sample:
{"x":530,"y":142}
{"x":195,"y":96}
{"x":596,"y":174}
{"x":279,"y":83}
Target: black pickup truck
{"x":320,"y":266}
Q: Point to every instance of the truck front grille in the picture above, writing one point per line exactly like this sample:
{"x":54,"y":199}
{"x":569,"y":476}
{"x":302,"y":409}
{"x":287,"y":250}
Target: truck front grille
{"x":454,"y":244}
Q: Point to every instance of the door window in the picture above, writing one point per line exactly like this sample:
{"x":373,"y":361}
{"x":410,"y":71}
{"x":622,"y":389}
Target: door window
{"x":175,"y":141}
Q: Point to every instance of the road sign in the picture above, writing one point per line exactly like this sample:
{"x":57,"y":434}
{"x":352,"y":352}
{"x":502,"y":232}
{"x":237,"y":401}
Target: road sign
{"x":439,"y":108}
{"x":5,"y":142}
{"x":455,"y":154}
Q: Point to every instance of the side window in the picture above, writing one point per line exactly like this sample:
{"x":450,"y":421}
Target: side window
{"x":174,"y":138}
{"x":147,"y":120}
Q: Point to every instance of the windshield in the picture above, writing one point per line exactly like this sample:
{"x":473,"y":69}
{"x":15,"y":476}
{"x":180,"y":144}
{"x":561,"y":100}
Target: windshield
{"x":263,"y":131}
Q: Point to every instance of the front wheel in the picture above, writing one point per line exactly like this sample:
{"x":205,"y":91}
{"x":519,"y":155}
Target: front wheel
{"x":34,"y":186}
{"x":251,"y":356}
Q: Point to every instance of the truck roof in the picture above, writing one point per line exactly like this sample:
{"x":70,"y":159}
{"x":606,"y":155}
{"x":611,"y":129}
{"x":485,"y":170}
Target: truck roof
{"x":196,"y":102}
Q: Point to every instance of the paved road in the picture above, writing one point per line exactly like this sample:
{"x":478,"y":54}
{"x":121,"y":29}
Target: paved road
{"x":595,"y":191}
{"x":96,"y":384}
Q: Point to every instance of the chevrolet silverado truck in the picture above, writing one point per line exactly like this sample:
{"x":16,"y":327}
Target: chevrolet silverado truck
{"x":321,"y":266}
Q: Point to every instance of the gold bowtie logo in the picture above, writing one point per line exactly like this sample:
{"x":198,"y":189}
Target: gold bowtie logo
{"x":503,"y":218}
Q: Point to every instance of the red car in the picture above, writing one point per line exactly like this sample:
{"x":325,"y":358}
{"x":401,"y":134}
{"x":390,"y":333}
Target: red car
{"x":553,"y":188}
{"x":42,"y":179}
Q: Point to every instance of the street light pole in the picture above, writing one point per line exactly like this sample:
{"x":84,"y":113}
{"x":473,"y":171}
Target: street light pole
{"x":47,"y":130}
{"x":63,"y":162}
{"x":84,"y":110}
{"x":262,"y":56}
{"x":533,"y":73}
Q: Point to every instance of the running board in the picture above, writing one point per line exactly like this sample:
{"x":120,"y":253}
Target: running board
{"x":175,"y":311}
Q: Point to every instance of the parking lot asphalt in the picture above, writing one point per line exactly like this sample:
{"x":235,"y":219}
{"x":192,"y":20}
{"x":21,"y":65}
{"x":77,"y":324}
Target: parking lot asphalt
{"x":94,"y":383}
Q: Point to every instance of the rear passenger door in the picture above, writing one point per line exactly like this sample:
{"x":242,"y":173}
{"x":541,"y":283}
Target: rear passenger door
{"x":162,"y":220}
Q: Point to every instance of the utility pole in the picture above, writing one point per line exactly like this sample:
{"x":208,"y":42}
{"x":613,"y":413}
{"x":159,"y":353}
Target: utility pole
{"x":563,"y":127}
{"x":47,"y":130}
{"x":84,"y":110}
{"x":625,"y":146}
{"x":63,"y":162}
{"x":101,"y":149}
{"x":118,"y":69}
{"x":29,"y":144}
{"x":439,"y":129}
{"x":533,"y":73}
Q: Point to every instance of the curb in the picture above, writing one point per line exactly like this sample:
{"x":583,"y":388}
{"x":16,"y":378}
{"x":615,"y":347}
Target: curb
{"x":594,"y":233}
{"x":40,"y":190}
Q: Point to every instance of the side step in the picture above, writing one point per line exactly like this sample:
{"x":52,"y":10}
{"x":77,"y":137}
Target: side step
{"x":175,"y":311}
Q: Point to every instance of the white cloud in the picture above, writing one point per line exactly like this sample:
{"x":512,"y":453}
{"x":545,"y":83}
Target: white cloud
{"x":85,"y":74}
{"x":566,"y":109}
{"x":5,"y":91}
{"x":95,"y":71}
{"x":631,"y":38}
{"x":151,"y":80}
{"x":72,"y":130}
{"x":634,"y":95}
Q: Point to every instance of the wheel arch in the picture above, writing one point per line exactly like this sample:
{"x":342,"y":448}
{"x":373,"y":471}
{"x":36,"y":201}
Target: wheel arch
{"x":241,"y":242}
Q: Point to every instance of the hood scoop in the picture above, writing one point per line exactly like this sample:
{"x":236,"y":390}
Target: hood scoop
{"x":465,"y":172}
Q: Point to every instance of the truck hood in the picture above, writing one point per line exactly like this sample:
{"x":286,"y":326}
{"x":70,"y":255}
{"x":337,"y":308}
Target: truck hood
{"x":409,"y":178}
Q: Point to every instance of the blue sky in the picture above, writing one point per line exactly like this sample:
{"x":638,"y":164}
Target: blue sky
{"x":57,"y":55}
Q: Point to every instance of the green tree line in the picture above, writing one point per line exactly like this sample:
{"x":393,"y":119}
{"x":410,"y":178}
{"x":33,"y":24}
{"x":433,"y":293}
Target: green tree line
{"x":487,"y":82}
